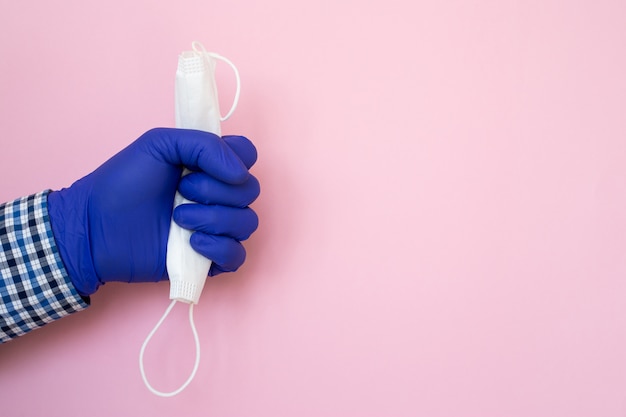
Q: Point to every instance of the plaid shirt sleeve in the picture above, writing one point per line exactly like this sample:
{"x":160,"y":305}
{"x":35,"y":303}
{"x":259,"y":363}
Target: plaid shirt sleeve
{"x":35,"y":288}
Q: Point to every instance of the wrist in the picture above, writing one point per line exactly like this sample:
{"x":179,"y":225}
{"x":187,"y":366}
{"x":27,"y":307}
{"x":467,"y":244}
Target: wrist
{"x":69,"y":221}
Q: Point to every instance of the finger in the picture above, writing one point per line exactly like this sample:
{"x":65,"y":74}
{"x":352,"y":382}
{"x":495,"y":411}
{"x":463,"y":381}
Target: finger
{"x":235,"y":223}
{"x":244,"y":149}
{"x":196,"y":150}
{"x":228,"y":254}
{"x":216,"y":270}
{"x":204,"y":189}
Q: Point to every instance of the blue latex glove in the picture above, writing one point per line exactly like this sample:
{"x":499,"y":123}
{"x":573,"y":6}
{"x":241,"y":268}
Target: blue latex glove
{"x":113,"y":224}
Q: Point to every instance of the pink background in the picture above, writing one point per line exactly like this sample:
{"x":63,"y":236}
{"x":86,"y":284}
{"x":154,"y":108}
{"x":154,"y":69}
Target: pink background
{"x":443,"y":215}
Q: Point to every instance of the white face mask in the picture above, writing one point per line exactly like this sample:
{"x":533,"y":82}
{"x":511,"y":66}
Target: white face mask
{"x":197,"y":107}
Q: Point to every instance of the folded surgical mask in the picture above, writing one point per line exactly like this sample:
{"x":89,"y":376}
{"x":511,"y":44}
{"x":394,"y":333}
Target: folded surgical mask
{"x":196,"y":107}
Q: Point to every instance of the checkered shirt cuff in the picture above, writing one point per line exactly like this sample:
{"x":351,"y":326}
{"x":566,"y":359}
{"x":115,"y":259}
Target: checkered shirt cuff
{"x":35,"y":288}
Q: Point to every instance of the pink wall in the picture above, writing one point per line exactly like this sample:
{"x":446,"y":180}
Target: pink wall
{"x":443,"y":216}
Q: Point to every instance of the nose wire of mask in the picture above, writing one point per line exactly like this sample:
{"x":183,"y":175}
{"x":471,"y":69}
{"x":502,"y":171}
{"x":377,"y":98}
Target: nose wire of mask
{"x":196,"y":107}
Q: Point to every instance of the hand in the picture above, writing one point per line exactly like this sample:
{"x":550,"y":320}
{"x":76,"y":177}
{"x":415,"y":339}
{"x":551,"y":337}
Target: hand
{"x":113,"y":224}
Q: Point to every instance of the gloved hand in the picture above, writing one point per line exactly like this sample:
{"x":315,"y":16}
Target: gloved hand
{"x":113,"y":224}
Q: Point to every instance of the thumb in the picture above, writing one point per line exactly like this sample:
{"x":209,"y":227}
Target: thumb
{"x":197,"y":151}
{"x":244,"y":149}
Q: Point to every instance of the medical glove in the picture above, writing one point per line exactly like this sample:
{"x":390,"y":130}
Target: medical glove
{"x":113,"y":224}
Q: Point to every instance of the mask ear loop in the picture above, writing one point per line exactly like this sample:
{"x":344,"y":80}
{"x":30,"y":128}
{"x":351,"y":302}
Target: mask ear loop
{"x":199,"y":49}
{"x":195,"y":366}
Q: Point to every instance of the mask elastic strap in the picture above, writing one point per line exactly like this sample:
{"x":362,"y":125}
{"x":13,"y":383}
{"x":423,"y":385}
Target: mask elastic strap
{"x":199,"y":49}
{"x":145,"y":343}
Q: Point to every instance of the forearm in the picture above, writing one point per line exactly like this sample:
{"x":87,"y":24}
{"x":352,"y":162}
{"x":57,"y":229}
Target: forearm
{"x":35,"y":288}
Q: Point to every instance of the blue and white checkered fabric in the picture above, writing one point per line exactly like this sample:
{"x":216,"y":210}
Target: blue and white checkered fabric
{"x":34,"y":286}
